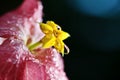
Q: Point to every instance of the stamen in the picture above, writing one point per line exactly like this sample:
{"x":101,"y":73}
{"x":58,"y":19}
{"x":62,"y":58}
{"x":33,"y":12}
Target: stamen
{"x":67,"y":48}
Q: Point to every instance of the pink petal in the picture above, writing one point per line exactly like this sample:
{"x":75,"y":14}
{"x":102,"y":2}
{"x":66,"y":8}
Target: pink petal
{"x":16,"y":61}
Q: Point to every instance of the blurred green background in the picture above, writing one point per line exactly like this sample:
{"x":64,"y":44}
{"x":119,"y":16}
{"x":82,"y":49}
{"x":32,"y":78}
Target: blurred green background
{"x":94,"y":26}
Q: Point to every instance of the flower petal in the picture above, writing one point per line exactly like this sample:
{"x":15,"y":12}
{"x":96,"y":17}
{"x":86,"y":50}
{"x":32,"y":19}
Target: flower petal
{"x":47,"y":43}
{"x":63,"y":35}
{"x":46,"y":28}
{"x":52,"y":24}
{"x":59,"y":45}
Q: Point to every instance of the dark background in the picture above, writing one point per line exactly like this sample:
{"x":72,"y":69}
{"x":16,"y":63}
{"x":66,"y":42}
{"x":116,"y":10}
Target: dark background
{"x":94,"y":41}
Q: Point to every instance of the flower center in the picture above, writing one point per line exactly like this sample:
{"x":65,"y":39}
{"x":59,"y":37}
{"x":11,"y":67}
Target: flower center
{"x":54,"y":37}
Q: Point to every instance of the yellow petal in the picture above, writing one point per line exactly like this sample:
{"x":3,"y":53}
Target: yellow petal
{"x":52,"y":24}
{"x":59,"y":45}
{"x":63,"y":35}
{"x":62,"y":48}
{"x":47,"y":43}
{"x":46,"y":28}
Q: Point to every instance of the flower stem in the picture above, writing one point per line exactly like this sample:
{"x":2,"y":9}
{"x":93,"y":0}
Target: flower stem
{"x":33,"y":46}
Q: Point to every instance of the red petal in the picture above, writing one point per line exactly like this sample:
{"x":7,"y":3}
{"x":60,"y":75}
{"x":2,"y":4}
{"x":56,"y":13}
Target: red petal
{"x":53,"y":63}
{"x":16,"y":61}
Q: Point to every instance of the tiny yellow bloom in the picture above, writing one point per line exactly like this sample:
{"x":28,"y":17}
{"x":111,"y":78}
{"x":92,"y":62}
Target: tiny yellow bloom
{"x":54,"y":37}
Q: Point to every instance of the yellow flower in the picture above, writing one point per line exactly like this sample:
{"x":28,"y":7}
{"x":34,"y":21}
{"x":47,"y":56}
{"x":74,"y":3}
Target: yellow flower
{"x":54,"y":37}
